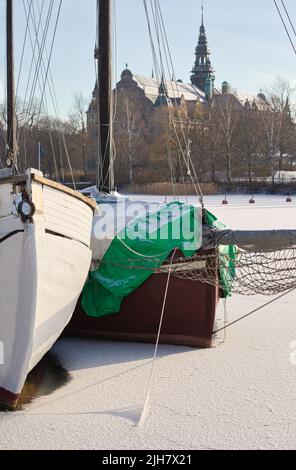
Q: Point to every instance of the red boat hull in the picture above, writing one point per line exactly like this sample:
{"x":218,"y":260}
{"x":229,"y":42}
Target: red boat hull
{"x":8,"y":400}
{"x":188,"y":317}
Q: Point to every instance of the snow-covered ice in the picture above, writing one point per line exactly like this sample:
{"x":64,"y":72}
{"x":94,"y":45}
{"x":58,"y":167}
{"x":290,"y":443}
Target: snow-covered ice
{"x":238,"y":395}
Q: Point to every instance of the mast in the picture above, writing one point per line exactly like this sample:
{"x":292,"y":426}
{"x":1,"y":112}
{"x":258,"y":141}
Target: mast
{"x":11,"y":158}
{"x":103,"y":55}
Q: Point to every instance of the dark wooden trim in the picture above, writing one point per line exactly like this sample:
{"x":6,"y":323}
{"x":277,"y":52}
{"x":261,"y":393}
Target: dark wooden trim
{"x":56,"y":234}
{"x":18,"y":179}
{"x":11,"y":234}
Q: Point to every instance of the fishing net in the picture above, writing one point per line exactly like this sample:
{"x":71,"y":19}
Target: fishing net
{"x":239,"y":271}
{"x":246,"y":262}
{"x":229,"y":268}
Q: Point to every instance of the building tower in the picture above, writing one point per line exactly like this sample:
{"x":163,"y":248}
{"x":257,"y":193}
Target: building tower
{"x":163,"y":97}
{"x":202,"y":72}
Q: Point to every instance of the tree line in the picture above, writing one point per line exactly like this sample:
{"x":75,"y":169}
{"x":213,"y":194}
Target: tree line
{"x":57,"y":146}
{"x":225,"y":140}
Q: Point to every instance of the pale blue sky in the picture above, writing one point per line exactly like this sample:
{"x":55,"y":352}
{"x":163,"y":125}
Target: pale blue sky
{"x":249,"y":46}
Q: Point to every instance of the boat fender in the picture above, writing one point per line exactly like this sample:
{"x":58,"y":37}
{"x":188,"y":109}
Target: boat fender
{"x":26,"y":210}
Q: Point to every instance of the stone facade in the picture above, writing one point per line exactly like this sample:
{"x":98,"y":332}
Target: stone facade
{"x":141,"y":104}
{"x":142,"y":99}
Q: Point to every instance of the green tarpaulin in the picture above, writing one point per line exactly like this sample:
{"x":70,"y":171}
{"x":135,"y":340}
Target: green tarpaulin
{"x":143,"y":245}
{"x":227,"y":257}
{"x":135,"y":253}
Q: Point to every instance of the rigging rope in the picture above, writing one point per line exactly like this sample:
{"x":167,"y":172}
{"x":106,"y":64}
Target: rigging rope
{"x":157,"y":343}
{"x":160,"y":77}
{"x":285,"y":26}
{"x":62,"y":136}
{"x":23,"y":50}
{"x":42,"y":77}
{"x":26,"y":107}
{"x":289,"y":17}
{"x":253,"y":311}
{"x":187,"y":162}
{"x":28,"y":111}
{"x":50,"y":54}
{"x":162,"y":40}
{"x":41,"y":82}
{"x":40,"y":55}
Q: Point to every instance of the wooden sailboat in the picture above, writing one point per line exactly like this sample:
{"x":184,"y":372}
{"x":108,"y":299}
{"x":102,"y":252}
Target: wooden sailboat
{"x":45,"y":256}
{"x":190,"y":305}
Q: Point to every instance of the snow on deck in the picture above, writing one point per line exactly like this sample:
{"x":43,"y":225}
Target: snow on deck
{"x":239,"y":394}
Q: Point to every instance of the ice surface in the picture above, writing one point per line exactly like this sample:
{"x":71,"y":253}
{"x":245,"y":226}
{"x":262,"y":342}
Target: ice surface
{"x":239,"y":394}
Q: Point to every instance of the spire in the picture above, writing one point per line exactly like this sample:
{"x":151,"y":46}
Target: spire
{"x":202,"y":72}
{"x":162,"y":90}
{"x":95,"y":93}
{"x":202,"y":13}
{"x":163,"y":98}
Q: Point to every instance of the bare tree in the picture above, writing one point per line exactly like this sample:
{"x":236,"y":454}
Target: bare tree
{"x":77,"y":119}
{"x":249,"y":137}
{"x":130,"y":129}
{"x":227,"y":119}
{"x":277,"y":121}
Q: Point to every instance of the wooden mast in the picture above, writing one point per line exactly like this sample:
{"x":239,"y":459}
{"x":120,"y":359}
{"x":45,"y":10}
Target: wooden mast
{"x":103,"y":54}
{"x":11,"y":159}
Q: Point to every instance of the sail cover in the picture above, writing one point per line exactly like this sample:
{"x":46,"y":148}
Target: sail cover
{"x":138,"y":250}
{"x":249,"y":240}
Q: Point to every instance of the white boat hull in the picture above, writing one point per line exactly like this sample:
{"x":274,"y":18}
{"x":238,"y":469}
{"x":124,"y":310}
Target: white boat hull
{"x":44,"y":264}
